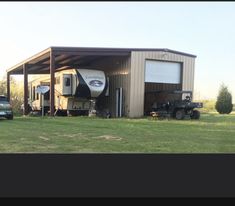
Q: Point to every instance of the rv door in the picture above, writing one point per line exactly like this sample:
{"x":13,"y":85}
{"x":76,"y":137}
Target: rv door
{"x":67,"y":84}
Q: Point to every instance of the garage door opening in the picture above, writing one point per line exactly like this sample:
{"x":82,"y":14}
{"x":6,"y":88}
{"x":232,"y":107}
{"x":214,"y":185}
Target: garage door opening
{"x":161,"y":76}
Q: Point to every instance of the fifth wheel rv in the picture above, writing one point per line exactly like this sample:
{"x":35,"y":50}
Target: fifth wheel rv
{"x":76,"y":91}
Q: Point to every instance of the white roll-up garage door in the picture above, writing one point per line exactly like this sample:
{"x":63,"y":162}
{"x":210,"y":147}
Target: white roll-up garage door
{"x":162,"y":72}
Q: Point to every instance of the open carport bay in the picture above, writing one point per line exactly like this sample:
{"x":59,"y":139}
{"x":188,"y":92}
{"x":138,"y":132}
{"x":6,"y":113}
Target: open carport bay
{"x":161,"y":76}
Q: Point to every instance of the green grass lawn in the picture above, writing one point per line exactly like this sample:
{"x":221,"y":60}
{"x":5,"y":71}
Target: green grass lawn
{"x":213,"y":133}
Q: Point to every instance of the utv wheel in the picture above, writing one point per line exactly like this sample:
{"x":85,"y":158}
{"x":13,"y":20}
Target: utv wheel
{"x":196,"y":114}
{"x":180,"y":114}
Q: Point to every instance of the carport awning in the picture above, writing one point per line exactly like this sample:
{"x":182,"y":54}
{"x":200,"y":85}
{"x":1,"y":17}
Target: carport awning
{"x":65,"y":57}
{"x":74,"y":57}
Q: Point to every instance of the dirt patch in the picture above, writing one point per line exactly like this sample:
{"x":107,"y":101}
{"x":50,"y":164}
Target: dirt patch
{"x":108,"y":137}
{"x":44,"y":138}
{"x":69,"y":135}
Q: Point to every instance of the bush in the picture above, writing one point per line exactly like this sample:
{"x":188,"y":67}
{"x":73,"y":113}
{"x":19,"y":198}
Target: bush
{"x":208,"y":105}
{"x":224,"y":101}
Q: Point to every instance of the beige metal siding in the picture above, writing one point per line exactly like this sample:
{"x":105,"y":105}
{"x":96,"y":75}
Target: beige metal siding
{"x":137,"y":85}
{"x":118,"y":71}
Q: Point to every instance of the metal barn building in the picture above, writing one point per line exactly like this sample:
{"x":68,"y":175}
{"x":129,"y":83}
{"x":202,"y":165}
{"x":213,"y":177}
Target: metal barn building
{"x":138,"y":71}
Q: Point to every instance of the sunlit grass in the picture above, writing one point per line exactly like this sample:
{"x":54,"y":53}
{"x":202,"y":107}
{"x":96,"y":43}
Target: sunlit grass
{"x":212,"y":133}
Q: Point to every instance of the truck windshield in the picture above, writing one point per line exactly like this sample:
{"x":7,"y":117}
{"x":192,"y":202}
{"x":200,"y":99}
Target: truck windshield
{"x":4,"y":102}
{"x":2,"y":98}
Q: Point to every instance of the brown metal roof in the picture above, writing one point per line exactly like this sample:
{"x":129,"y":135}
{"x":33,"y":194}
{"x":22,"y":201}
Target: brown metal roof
{"x":75,"y":56}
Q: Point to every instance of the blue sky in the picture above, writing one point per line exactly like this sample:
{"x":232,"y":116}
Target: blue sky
{"x":205,"y":29}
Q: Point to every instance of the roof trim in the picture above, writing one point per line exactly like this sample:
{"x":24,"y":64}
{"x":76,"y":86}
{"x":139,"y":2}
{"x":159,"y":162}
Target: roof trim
{"x":56,"y":48}
{"x":29,"y":59}
{"x":167,"y":50}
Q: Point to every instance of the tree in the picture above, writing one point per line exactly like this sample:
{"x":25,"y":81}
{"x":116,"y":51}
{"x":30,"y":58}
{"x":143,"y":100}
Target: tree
{"x":224,"y":101}
{"x":3,"y":87}
{"x":17,"y":96}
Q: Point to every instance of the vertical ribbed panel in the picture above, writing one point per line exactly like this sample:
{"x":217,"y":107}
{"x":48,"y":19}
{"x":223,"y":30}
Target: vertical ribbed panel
{"x":118,"y":71}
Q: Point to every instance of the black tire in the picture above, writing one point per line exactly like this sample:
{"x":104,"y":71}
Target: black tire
{"x":195,"y":114}
{"x":180,"y":114}
{"x":61,"y":113}
{"x":10,"y":117}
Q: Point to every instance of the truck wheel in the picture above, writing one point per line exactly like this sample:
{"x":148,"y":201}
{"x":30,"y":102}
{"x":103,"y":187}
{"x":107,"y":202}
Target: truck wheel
{"x":196,"y":114}
{"x":10,"y":117}
{"x":180,"y":114}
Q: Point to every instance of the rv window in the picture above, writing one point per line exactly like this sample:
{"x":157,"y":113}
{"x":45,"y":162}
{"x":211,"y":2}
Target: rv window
{"x":67,"y":82}
{"x":29,"y":92}
{"x":37,"y":94}
{"x":47,"y":96}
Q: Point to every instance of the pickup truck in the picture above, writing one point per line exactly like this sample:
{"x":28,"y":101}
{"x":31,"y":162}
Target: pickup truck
{"x":5,"y":108}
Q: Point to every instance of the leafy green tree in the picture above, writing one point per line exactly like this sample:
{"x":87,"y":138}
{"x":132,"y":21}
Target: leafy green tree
{"x":17,"y":95}
{"x":224,"y":101}
{"x":3,"y":87}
